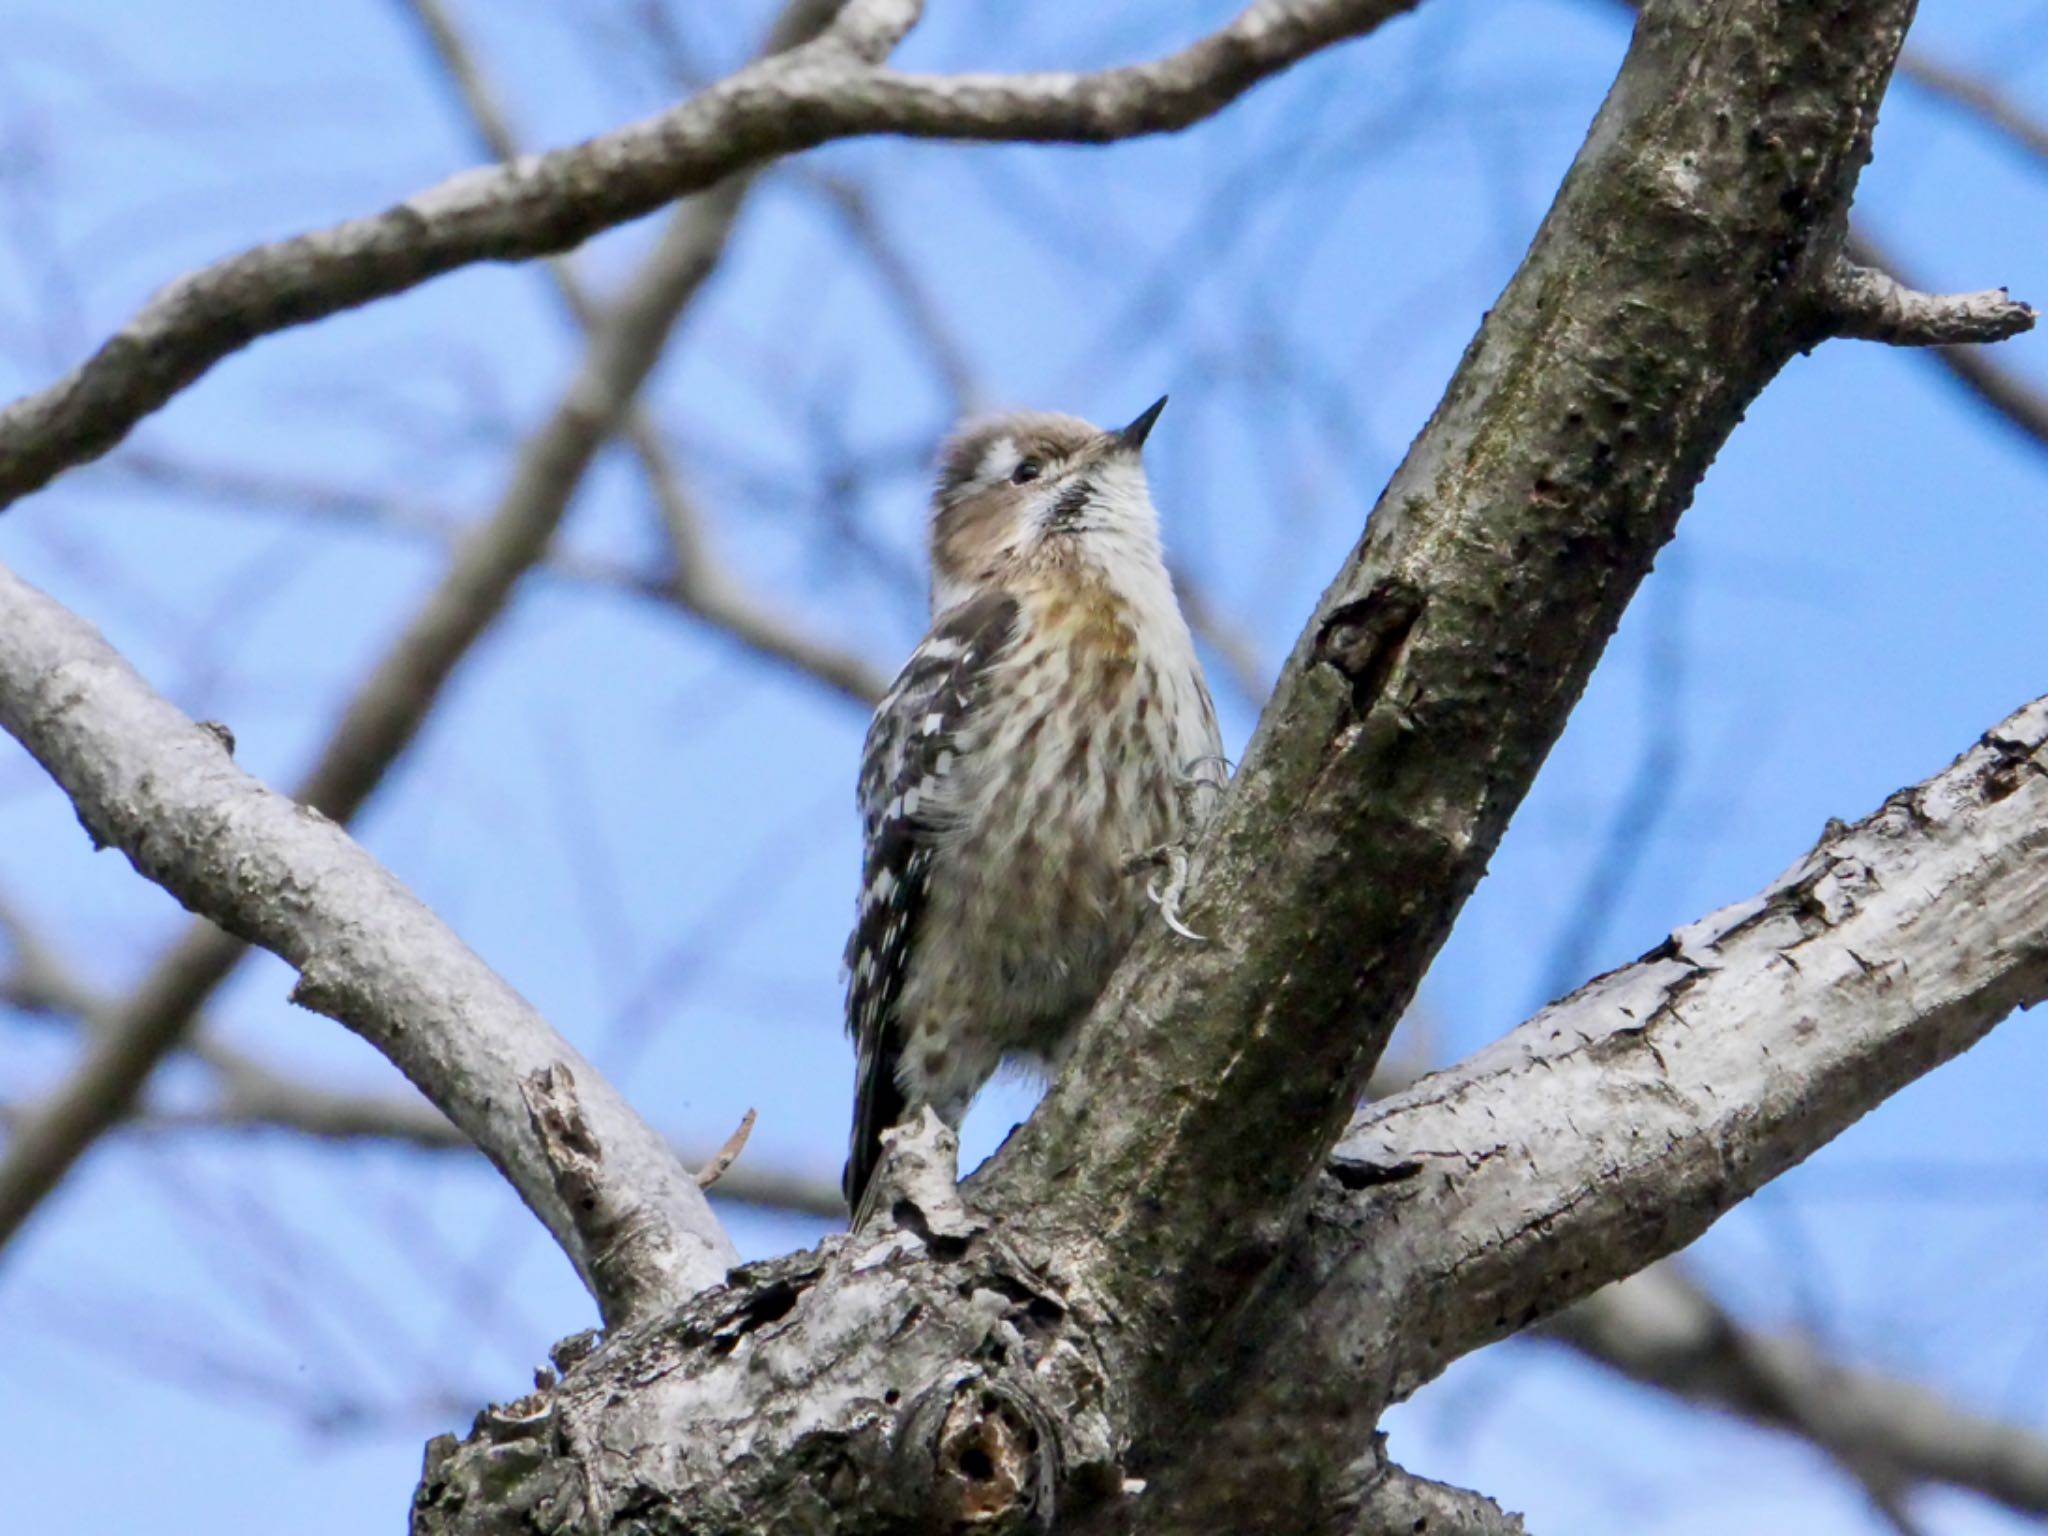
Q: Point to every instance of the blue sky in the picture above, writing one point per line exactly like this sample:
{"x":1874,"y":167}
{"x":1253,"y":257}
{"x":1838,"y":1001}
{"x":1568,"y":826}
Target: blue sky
{"x":653,"y":837}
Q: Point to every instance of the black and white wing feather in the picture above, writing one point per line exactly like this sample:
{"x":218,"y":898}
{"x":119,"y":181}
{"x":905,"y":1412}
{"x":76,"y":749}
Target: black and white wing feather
{"x":914,"y":746}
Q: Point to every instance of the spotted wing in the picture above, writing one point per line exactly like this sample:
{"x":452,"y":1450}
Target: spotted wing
{"x":913,"y":745}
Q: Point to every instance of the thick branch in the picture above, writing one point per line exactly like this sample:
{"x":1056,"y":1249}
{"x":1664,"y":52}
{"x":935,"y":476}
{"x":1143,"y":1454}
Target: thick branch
{"x":1678,"y":269}
{"x":1676,"y":1087}
{"x":146,"y":780}
{"x":826,"y":90}
{"x":1616,"y":1125}
{"x":387,"y":711}
{"x":1395,"y":1502}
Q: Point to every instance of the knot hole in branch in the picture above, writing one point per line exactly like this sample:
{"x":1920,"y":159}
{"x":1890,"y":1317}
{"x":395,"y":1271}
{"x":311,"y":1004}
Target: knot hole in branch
{"x":1365,"y":639}
{"x":976,"y":1456}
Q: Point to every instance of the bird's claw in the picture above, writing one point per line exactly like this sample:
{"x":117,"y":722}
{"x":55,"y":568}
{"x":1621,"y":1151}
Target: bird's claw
{"x":1167,"y":898}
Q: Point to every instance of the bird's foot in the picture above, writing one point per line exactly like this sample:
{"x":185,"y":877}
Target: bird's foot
{"x":1171,"y":860}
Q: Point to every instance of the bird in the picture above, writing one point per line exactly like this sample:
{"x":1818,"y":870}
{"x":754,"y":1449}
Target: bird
{"x":1048,"y":740}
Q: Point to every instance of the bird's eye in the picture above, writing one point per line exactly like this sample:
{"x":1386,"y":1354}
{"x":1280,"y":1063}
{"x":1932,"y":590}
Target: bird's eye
{"x":1026,"y":472}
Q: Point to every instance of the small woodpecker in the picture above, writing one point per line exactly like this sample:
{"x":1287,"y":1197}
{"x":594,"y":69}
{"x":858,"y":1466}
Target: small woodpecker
{"x":1037,"y":747}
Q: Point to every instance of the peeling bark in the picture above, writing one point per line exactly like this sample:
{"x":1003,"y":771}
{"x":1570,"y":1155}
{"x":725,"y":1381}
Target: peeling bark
{"x":1613,"y":1127}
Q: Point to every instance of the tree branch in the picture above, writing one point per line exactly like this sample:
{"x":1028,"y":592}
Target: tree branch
{"x":1184,"y":1133}
{"x":1660,"y":1329}
{"x":1395,"y":1502}
{"x":699,"y":583}
{"x":1869,"y":304}
{"x":2000,"y":387}
{"x":1613,"y":1127}
{"x":1750,"y":1039}
{"x":391,"y":704}
{"x":146,"y":780}
{"x":823,"y":91}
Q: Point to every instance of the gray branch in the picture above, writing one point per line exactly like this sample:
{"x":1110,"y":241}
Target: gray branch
{"x":1613,"y":1127}
{"x":1675,"y":1087}
{"x":147,"y":780}
{"x":1869,"y":304}
{"x":1395,"y":1502}
{"x":1660,"y":1329}
{"x":832,"y":88}
{"x":388,"y":708}
{"x":1447,"y":654}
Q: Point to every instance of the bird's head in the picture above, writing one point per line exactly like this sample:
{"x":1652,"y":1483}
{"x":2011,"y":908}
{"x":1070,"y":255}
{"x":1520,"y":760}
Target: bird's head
{"x":1036,"y":491}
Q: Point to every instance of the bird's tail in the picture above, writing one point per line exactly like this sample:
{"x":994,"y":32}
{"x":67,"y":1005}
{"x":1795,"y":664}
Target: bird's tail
{"x":878,"y":1105}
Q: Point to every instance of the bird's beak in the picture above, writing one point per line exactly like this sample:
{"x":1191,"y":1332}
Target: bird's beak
{"x":1132,"y":438}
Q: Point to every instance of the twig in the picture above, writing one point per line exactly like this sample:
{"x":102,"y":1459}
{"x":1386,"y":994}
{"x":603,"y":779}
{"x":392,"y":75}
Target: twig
{"x":1997,"y":384}
{"x":699,"y":583}
{"x":1869,"y":304}
{"x":736,"y":1143}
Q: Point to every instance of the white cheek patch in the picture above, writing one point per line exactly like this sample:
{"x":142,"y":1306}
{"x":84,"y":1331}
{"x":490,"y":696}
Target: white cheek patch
{"x":998,"y":459}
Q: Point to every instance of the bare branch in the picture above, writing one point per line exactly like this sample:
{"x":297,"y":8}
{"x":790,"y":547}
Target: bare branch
{"x":1749,"y":1039}
{"x":722,"y":1160}
{"x":699,"y":584}
{"x":1659,"y":1328}
{"x":1870,"y":304}
{"x":1395,"y":1502}
{"x":387,"y":710}
{"x":551,"y":202}
{"x":147,"y":780}
{"x":1996,"y":384}
{"x":1978,"y":97}
{"x":1613,"y":1127}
